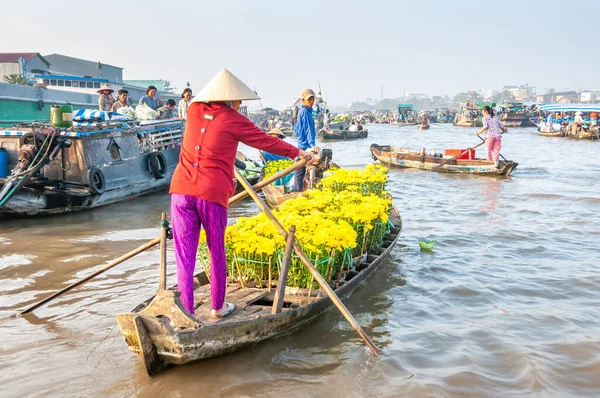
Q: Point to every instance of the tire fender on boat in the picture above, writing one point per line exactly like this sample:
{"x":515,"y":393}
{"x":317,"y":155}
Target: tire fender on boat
{"x":344,"y":135}
{"x":157,"y":163}
{"x":96,"y":181}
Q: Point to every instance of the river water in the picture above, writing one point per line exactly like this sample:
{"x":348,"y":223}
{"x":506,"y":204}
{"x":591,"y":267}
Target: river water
{"x":507,"y":304}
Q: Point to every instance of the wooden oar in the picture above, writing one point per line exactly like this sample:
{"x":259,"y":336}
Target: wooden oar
{"x":156,"y":241}
{"x":324,"y":285}
{"x":108,"y":266}
{"x":267,"y":181}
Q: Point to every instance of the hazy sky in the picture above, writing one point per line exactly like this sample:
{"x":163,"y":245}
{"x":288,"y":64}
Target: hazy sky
{"x":352,"y":47}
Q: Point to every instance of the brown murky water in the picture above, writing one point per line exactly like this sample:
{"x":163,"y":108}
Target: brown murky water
{"x":508,"y":303}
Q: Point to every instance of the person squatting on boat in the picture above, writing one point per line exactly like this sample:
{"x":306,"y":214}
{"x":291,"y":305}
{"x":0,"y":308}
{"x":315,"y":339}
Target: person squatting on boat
{"x":105,"y":100}
{"x":166,"y":111}
{"x":271,"y":157}
{"x":305,"y":129}
{"x":203,"y":181}
{"x":494,"y":128}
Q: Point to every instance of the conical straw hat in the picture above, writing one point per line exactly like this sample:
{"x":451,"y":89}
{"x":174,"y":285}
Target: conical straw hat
{"x":225,"y":87}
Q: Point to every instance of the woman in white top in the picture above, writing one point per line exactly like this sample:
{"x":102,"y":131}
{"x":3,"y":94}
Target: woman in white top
{"x":184,"y":103}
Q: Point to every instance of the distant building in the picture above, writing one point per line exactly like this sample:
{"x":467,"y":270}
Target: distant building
{"x":34,"y":64}
{"x":520,"y":93}
{"x":563,"y":97}
{"x":71,"y":66}
{"x":590,"y":97}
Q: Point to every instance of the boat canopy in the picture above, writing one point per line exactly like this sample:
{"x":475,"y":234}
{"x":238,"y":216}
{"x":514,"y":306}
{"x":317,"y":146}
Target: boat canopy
{"x":407,"y":107}
{"x":570,"y":107}
{"x":490,"y":104}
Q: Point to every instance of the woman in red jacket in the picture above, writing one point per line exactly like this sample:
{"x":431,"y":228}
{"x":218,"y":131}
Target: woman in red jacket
{"x":203,"y":180}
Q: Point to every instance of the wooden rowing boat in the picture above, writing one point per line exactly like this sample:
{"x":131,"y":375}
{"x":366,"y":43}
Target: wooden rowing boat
{"x":276,"y":195}
{"x":397,"y":157}
{"x":423,"y":126}
{"x":162,"y":332}
{"x":344,"y":135}
{"x":552,"y":133}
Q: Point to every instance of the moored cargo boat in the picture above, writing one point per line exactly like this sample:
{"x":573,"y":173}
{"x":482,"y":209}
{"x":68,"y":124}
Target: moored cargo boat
{"x":58,"y":170}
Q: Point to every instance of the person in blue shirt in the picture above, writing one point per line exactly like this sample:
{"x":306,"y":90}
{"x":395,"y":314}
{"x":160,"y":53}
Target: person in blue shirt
{"x":305,"y":130}
{"x":150,"y":99}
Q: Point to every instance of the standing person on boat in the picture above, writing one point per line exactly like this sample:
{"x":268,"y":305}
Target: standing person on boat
{"x":150,"y":99}
{"x":106,"y":100}
{"x":305,"y":130}
{"x":184,"y":103}
{"x":122,"y":100}
{"x":326,"y":119}
{"x":494,"y":128}
{"x":204,"y":180}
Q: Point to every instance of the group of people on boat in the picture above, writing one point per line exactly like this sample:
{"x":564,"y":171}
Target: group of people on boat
{"x":164,"y":109}
{"x":203,"y":181}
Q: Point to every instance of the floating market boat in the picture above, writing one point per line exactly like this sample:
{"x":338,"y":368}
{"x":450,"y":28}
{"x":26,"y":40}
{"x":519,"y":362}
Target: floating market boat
{"x":469,"y":116}
{"x":420,"y":159}
{"x":422,"y":126}
{"x":342,"y":135}
{"x":250,"y":169}
{"x":406,"y":115}
{"x":163,"y":332}
{"x":513,"y":114}
{"x":59,"y":169}
{"x":560,"y":121}
{"x":277,"y":194}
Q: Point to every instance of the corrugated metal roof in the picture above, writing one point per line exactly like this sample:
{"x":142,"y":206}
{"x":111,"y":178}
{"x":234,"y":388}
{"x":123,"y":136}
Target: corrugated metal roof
{"x":14,"y":57}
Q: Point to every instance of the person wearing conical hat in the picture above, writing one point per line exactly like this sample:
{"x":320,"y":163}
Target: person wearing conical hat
{"x":203,"y":180}
{"x":271,"y":157}
{"x":106,"y":99}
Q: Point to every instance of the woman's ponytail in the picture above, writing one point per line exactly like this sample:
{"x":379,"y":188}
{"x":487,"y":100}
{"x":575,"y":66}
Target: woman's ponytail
{"x":489,"y":110}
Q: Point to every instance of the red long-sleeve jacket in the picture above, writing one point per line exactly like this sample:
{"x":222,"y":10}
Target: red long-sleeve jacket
{"x":212,"y":133}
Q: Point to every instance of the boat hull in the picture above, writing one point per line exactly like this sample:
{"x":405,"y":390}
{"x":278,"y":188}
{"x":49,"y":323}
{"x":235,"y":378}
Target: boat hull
{"x":179,"y":346}
{"x":276,"y":195}
{"x":391,"y":156}
{"x":423,"y":126}
{"x":342,"y":135}
{"x":128,"y":162}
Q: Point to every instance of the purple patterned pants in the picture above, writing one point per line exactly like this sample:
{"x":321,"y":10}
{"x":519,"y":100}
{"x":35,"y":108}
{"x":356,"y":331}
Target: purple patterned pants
{"x":188,"y":215}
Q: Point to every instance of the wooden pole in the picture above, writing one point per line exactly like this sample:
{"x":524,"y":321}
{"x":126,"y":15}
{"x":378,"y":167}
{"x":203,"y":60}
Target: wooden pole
{"x":314,"y":272}
{"x":110,"y":265}
{"x":283,"y":272}
{"x":162,"y":277}
{"x":269,"y":180}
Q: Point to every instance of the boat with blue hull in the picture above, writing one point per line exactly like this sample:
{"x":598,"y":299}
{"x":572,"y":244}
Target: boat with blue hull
{"x":58,"y":170}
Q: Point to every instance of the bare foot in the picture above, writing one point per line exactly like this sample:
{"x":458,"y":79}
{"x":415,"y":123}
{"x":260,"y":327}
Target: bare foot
{"x":225,"y":310}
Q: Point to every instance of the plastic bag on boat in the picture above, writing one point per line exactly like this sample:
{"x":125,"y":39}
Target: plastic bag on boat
{"x":127,"y":111}
{"x":143,"y":112}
